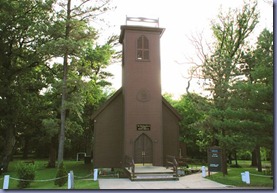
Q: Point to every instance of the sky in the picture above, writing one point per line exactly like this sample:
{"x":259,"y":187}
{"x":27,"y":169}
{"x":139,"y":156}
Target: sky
{"x":181,"y":19}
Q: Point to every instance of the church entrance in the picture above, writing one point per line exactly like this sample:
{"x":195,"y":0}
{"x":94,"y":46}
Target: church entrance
{"x":143,"y":150}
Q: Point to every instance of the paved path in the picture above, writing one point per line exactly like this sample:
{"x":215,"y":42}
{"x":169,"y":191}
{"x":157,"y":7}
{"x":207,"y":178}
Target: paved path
{"x":193,"y":181}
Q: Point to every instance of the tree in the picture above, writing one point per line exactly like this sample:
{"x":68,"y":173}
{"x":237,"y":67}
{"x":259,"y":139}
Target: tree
{"x":74,"y":32}
{"x":221,"y":67}
{"x":263,"y":81}
{"x":193,"y":108}
{"x":31,"y":34}
{"x":86,"y":83}
{"x":23,"y":31}
{"x":31,"y":110}
{"x":91,"y":68}
{"x":252,"y":97}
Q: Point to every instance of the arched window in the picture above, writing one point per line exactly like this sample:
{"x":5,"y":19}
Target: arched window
{"x":142,"y":48}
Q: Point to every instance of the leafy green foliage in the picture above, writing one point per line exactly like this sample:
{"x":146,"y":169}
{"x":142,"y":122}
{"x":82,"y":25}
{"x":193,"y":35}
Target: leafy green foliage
{"x":225,"y":68}
{"x":25,"y":172}
{"x":75,"y":36}
{"x":193,"y":109}
{"x":61,"y":175}
{"x":32,"y":38}
{"x":23,"y":32}
{"x":251,"y":104}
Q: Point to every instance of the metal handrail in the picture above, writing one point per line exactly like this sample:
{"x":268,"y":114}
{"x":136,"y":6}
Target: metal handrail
{"x":171,"y":160}
{"x":129,"y":162}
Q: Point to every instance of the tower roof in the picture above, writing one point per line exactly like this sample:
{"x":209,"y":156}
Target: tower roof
{"x":138,"y":28}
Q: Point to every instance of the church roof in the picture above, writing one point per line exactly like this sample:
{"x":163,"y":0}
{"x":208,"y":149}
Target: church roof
{"x":118,"y":92}
{"x":173,"y":110}
{"x":109,"y":101}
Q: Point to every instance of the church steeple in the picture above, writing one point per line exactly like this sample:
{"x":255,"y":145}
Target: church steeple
{"x":141,"y":84}
{"x":137,"y":122}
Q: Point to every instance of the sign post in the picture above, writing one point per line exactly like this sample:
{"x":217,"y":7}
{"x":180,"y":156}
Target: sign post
{"x":214,"y":159}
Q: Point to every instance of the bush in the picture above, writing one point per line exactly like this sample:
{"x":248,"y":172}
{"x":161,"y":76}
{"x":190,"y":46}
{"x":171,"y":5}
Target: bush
{"x":61,"y":175}
{"x":25,"y":172}
{"x":120,"y":172}
{"x":244,"y":155}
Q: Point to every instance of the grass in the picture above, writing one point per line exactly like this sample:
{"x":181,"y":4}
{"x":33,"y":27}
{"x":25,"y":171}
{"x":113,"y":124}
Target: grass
{"x":83,"y":175}
{"x":234,"y":177}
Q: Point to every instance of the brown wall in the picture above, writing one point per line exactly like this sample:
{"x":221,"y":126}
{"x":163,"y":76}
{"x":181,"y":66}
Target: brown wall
{"x":170,"y":133}
{"x":142,"y":76}
{"x":116,"y":133}
{"x":108,"y":131}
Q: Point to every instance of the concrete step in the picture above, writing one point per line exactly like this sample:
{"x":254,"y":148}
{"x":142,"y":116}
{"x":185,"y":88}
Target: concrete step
{"x":152,"y":173}
{"x":154,"y":178}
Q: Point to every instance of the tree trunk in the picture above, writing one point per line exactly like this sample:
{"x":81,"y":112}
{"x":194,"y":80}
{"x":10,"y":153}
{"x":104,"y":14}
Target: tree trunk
{"x":88,"y":147}
{"x":26,"y":147}
{"x":254,"y":158}
{"x":230,"y":158}
{"x":224,"y":156}
{"x":224,"y":162}
{"x":63,"y":119}
{"x":52,"y":153}
{"x":259,"y":161}
{"x":8,"y":148}
{"x":64,"y":88}
{"x":236,"y":158}
{"x":89,"y":142}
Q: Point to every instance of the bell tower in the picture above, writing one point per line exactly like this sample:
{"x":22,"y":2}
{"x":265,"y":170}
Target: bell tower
{"x":141,"y":87}
{"x":136,"y":121}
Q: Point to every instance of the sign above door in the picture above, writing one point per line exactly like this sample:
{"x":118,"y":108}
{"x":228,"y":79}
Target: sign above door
{"x":143,"y":127}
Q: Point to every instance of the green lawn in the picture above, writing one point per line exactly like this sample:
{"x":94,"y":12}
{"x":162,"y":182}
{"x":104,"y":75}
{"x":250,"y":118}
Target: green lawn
{"x":234,"y":177}
{"x":83,"y":175}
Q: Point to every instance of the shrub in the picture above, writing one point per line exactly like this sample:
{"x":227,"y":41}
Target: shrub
{"x":121,"y":173}
{"x":61,"y":175}
{"x":25,"y":172}
{"x":244,"y":155}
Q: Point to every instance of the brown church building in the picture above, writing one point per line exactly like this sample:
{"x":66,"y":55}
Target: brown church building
{"x":137,"y":121}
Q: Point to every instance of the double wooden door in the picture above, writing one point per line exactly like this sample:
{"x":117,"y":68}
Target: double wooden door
{"x":143,"y":150}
